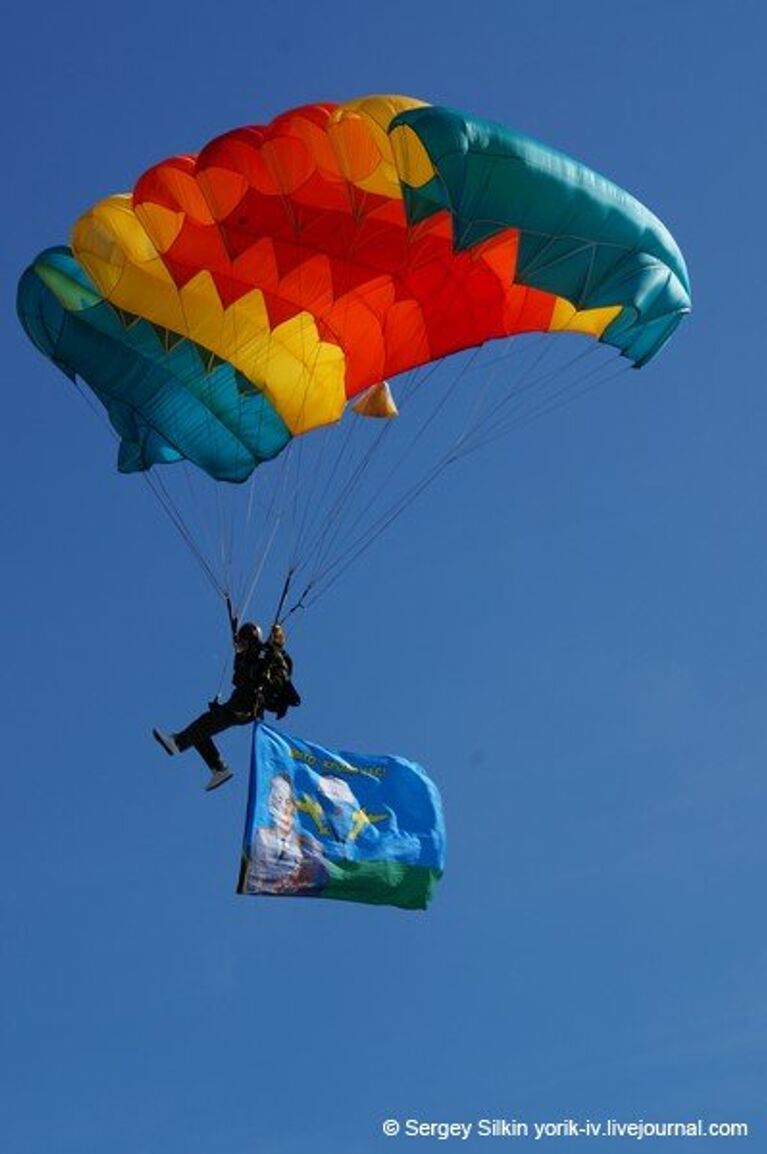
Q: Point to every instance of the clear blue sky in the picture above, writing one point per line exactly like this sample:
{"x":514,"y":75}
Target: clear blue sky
{"x":597,"y":947}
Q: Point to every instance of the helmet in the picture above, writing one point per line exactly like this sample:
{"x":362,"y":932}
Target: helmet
{"x":249,"y":631}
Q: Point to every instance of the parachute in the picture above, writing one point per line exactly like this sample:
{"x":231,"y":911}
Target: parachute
{"x":256,"y":292}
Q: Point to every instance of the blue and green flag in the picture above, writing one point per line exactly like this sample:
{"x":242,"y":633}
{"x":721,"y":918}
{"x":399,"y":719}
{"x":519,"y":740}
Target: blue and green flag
{"x":321,"y":823}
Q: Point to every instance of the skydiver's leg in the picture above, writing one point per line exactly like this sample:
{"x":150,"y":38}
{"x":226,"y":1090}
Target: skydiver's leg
{"x":209,"y":752}
{"x":201,"y":731}
{"x":215,"y":720}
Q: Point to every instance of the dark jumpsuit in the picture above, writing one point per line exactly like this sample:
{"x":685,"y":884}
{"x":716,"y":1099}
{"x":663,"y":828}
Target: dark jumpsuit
{"x":244,"y":705}
{"x":260,"y":678}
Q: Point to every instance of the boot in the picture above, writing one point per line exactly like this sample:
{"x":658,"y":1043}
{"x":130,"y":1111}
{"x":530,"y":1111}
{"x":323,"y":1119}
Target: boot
{"x":167,"y":741}
{"x":218,"y":777}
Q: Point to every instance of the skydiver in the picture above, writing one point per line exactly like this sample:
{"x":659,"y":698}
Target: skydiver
{"x":262,"y":680}
{"x":279,"y":692}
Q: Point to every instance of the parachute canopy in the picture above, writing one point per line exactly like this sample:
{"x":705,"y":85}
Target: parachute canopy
{"x":243,"y":296}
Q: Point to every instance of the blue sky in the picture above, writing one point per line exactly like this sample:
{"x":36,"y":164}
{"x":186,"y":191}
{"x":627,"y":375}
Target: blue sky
{"x":597,"y":948}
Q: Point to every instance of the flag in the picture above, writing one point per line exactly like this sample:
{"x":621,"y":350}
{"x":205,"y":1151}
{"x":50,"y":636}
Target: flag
{"x":322,"y":823}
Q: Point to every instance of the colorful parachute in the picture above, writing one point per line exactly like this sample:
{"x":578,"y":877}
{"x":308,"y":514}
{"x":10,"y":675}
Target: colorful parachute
{"x":243,"y":296}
